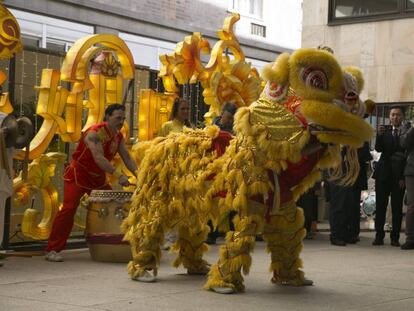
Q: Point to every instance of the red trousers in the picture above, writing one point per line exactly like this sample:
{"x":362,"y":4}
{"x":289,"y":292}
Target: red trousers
{"x":63,"y":223}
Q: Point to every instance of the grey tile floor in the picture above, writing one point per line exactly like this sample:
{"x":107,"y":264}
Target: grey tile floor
{"x":355,"y":277}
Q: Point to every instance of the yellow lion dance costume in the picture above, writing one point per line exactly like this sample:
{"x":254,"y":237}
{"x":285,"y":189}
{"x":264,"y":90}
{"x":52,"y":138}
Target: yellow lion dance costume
{"x":283,"y":140}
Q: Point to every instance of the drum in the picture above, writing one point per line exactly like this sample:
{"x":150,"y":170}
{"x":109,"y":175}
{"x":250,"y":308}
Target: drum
{"x":106,"y":211}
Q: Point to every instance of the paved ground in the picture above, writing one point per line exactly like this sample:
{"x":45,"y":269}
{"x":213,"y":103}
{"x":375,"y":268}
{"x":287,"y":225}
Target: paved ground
{"x":357,"y":277}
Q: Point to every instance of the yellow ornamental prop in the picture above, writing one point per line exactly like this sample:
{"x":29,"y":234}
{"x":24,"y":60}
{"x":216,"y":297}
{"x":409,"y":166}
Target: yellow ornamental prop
{"x":105,"y":90}
{"x":10,"y":41}
{"x":5,"y":105}
{"x":224,"y":78}
{"x":10,"y":44}
{"x":40,"y":172}
{"x":239,"y":83}
{"x":74,"y":66}
{"x":107,"y":84}
{"x":51,"y":105}
{"x":62,"y":109}
{"x":41,"y":230}
{"x":154,"y":110}
{"x":166,"y":72}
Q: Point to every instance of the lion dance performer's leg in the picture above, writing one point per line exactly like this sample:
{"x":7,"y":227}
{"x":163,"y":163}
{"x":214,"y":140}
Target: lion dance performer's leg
{"x":284,"y":234}
{"x":191,"y":247}
{"x":225,"y":276}
{"x":146,"y":238}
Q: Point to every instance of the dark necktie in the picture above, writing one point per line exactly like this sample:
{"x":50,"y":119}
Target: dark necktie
{"x":395,"y":135}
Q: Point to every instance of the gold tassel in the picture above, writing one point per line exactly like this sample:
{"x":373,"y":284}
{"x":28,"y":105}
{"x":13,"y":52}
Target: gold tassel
{"x":347,"y":172}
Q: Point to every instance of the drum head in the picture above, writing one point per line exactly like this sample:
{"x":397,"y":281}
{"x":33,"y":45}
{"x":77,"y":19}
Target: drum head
{"x":25,"y":132}
{"x":9,"y":124}
{"x":110,"y":195}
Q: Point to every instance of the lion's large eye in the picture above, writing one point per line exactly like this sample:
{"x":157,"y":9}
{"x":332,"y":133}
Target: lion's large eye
{"x":315,"y":78}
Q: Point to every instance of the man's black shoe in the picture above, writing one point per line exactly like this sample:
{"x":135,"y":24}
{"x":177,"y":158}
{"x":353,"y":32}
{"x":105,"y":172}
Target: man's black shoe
{"x":211,"y":241}
{"x":338,"y":242}
{"x":259,"y":238}
{"x":378,"y":242}
{"x":395,"y":243}
{"x":353,"y":240}
{"x":408,"y":245}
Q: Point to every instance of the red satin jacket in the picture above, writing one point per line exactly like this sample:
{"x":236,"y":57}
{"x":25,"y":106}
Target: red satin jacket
{"x":82,"y":169}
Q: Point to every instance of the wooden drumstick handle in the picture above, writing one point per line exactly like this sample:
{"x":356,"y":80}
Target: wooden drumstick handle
{"x":26,"y":163}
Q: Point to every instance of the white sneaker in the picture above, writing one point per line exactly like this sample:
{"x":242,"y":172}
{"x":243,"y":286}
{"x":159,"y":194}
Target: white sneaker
{"x":54,"y":256}
{"x":223,"y":290}
{"x":148,"y":277}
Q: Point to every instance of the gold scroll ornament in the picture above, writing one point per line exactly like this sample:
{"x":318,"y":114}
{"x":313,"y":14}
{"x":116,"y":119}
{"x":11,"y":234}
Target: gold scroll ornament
{"x":62,"y":109}
{"x":226,"y":77}
{"x":40,"y":172}
{"x":10,"y":41}
{"x":10,"y":44}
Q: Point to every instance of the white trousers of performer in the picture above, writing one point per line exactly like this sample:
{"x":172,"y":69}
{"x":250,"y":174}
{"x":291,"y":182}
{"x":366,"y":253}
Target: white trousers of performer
{"x":6,"y":190}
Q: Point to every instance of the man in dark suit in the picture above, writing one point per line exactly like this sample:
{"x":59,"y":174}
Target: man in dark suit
{"x":344,"y":214}
{"x":389,"y":176}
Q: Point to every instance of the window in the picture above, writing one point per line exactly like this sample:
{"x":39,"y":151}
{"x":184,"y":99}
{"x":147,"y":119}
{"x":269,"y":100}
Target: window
{"x":56,"y":46}
{"x":31,"y":41}
{"x":248,"y":7}
{"x":353,"y":11}
{"x":258,"y":30}
{"x":50,"y":33}
{"x":357,"y":8}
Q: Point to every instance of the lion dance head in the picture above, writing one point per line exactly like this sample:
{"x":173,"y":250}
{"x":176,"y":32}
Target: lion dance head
{"x":323,"y":96}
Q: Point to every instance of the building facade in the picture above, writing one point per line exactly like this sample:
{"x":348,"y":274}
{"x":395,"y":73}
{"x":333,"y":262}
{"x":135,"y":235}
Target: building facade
{"x":154,"y":27}
{"x":373,"y":35}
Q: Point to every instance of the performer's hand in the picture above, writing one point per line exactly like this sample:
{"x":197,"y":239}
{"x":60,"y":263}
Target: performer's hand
{"x":123,"y":181}
{"x":402,"y":183}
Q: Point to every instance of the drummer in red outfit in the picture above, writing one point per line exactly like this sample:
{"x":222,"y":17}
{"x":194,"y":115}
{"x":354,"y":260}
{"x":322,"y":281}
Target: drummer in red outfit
{"x":90,"y":161}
